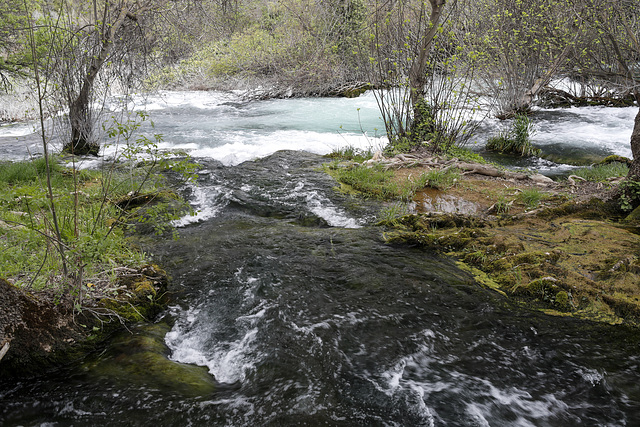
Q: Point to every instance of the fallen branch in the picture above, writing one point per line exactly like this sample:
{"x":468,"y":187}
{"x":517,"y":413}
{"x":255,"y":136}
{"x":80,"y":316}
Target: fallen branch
{"x":4,"y":349}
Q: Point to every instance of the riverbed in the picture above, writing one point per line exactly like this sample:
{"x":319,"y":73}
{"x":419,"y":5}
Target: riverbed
{"x":289,"y":308}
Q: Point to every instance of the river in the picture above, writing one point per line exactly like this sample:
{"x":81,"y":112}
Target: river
{"x":288,"y":308}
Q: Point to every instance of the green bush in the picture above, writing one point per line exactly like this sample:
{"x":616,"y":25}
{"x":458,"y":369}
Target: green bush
{"x":516,"y":139}
{"x":629,"y":195}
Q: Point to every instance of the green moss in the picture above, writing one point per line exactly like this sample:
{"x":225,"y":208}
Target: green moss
{"x":145,"y":290}
{"x":140,"y":357}
{"x":501,"y":264}
{"x":614,"y":158}
{"x":562,"y":301}
{"x":545,"y":288}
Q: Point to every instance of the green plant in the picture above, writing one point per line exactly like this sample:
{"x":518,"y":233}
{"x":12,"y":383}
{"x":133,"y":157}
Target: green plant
{"x":440,"y":179}
{"x":377,"y":182}
{"x":629,"y":195}
{"x":351,"y":153}
{"x":600,"y":173}
{"x":502,"y":206}
{"x":465,"y":155}
{"x":516,"y":139}
{"x":85,"y":239}
{"x":530,"y":197}
{"x":390,"y":214}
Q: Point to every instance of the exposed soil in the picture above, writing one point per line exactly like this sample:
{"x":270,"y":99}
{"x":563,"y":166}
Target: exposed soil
{"x":43,"y":330}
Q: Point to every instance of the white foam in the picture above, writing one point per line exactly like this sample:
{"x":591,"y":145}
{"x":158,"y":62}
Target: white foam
{"x":605,"y":127}
{"x":228,"y":361}
{"x":17,"y":129}
{"x":207,"y":203}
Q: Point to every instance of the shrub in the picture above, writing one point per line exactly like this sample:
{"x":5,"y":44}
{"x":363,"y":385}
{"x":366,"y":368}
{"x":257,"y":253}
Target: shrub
{"x":516,"y":139}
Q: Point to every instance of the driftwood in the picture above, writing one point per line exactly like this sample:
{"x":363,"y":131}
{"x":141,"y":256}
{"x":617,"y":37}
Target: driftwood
{"x":4,"y":349}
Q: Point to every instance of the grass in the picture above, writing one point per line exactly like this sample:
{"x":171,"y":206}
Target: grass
{"x":600,"y":173}
{"x":515,"y":140}
{"x":29,"y":254}
{"x":440,"y":179}
{"x":351,"y":153}
{"x":391,"y":213}
{"x":530,"y":197}
{"x":378,"y":183}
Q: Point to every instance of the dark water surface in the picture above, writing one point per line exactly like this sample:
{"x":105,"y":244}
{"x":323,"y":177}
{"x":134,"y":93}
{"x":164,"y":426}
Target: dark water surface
{"x":298,"y":314}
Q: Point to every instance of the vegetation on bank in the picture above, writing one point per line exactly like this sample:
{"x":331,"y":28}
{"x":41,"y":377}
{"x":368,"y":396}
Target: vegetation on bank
{"x":516,"y":139}
{"x":63,"y":229}
{"x":94,"y":209}
{"x":544,"y":247}
{"x":355,"y":171}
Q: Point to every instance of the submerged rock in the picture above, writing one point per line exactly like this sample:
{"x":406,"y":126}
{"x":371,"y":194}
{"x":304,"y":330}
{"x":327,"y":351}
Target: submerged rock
{"x":140,"y":357}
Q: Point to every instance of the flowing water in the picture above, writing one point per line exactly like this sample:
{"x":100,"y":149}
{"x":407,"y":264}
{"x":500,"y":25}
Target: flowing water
{"x":288,"y":308}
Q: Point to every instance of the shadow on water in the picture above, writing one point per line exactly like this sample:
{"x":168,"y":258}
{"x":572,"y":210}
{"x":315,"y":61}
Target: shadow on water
{"x":300,"y":323}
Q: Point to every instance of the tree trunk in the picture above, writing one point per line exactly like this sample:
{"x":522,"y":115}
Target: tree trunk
{"x":634,"y":170}
{"x":417,"y":76}
{"x":80,"y":119}
{"x":523,"y":104}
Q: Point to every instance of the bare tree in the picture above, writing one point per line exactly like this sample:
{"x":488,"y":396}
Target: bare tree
{"x":613,"y":55}
{"x":94,"y":48}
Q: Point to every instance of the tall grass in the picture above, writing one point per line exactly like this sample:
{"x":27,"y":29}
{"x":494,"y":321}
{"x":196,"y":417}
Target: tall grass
{"x":516,"y":139}
{"x":601,"y":173}
{"x":379,"y":183}
{"x":21,"y":172}
{"x":530,"y":197}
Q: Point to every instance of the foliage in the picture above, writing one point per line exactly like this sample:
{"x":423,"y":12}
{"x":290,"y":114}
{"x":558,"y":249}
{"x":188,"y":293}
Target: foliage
{"x":351,"y":153}
{"x":92,"y":209}
{"x":423,"y":75}
{"x":629,"y":195}
{"x":28,"y":253}
{"x":600,"y":173}
{"x":465,"y":155}
{"x":502,"y":206}
{"x":13,"y":51}
{"x":306,"y":46}
{"x":530,"y":197}
{"x":516,"y":139}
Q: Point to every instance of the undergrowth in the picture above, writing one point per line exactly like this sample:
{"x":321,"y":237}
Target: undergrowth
{"x":516,"y":139}
{"x":600,"y":173}
{"x":91,"y":223}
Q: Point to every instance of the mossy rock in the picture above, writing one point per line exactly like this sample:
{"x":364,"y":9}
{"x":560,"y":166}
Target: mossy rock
{"x":634,"y":216}
{"x":615,"y":158}
{"x":140,"y":357}
{"x":562,"y":302}
{"x":545,"y":288}
{"x":501,"y":264}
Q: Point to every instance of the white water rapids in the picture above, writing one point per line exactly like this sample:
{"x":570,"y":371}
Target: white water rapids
{"x":224,"y":127}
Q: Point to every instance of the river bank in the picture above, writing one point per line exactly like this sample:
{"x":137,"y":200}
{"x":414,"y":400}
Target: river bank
{"x":294,"y":309}
{"x":560,"y":247}
{"x":70,"y":275}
